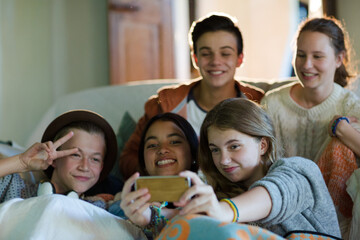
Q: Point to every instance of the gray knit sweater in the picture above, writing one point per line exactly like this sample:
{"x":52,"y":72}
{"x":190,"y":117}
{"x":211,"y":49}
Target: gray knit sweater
{"x":300,"y":199}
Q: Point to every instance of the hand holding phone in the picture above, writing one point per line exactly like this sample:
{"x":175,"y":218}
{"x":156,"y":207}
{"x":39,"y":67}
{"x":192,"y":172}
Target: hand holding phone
{"x":163,"y":188}
{"x":134,"y":203}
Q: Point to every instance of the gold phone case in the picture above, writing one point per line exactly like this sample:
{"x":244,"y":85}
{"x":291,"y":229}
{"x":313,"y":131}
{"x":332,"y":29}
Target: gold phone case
{"x":164,"y":188}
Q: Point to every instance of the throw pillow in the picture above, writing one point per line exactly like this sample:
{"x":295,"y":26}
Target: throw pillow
{"x":126,"y":128}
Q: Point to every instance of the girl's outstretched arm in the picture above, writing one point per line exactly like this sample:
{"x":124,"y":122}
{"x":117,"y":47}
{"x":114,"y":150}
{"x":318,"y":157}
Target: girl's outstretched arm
{"x":200,"y":198}
{"x":252,"y":205}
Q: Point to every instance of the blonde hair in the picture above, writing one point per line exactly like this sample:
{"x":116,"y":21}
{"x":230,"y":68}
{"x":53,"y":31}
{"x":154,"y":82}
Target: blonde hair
{"x":244,"y":116}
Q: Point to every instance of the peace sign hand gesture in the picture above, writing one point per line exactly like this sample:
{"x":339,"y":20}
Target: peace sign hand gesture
{"x":41,"y":155}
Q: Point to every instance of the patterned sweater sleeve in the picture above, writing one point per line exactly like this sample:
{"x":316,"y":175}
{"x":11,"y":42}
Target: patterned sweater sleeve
{"x":13,"y":186}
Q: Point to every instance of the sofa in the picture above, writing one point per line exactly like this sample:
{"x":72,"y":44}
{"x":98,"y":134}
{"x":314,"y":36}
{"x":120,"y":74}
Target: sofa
{"x":122,"y":106}
{"x":120,"y":102}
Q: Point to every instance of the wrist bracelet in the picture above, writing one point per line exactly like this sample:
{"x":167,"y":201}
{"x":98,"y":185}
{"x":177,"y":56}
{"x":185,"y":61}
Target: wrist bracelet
{"x":335,"y":123}
{"x":157,"y":221}
{"x":233,"y":207}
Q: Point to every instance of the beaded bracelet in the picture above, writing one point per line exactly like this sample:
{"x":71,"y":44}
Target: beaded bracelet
{"x":233,"y":207}
{"x":335,"y":123}
{"x":157,"y":221}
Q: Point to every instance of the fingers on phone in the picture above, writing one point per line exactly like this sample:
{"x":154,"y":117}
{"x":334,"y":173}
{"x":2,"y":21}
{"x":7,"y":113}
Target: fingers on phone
{"x":191,"y":207}
{"x":137,"y":203}
{"x":135,"y":196}
{"x":195,"y":179}
{"x":186,"y":197}
{"x":130,"y":182}
{"x":199,"y":204}
{"x":195,"y":196}
{"x":195,"y":190}
{"x":144,"y":207}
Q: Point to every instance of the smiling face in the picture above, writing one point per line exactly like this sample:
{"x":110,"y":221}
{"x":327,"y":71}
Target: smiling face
{"x":79,"y":171}
{"x":237,"y":156}
{"x":217,"y":58}
{"x":166,"y":149}
{"x":316,"y":62}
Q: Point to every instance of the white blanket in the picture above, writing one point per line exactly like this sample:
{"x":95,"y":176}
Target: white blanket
{"x":61,"y":217}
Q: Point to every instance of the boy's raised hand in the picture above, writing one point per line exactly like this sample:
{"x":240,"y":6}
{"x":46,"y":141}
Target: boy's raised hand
{"x":41,"y":155}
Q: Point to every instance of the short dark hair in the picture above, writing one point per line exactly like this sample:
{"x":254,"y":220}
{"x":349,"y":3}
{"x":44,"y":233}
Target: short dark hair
{"x":184,"y":125}
{"x":212,"y":23}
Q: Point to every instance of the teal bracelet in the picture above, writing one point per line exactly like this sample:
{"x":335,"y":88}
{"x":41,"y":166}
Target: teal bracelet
{"x":335,"y":123}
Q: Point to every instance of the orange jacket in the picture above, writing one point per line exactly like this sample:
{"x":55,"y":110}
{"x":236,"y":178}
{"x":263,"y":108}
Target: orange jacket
{"x":167,"y":99}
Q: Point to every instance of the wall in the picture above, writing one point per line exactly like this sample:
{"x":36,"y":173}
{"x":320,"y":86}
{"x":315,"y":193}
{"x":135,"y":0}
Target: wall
{"x":47,"y":48}
{"x":181,"y":24}
{"x":267,"y":26}
{"x":348,"y":11}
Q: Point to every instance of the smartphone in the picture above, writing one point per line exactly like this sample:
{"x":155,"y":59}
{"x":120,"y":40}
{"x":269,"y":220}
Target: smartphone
{"x":164,"y":188}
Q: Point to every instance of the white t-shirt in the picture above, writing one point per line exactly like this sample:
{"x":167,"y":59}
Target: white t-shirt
{"x":195,"y":114}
